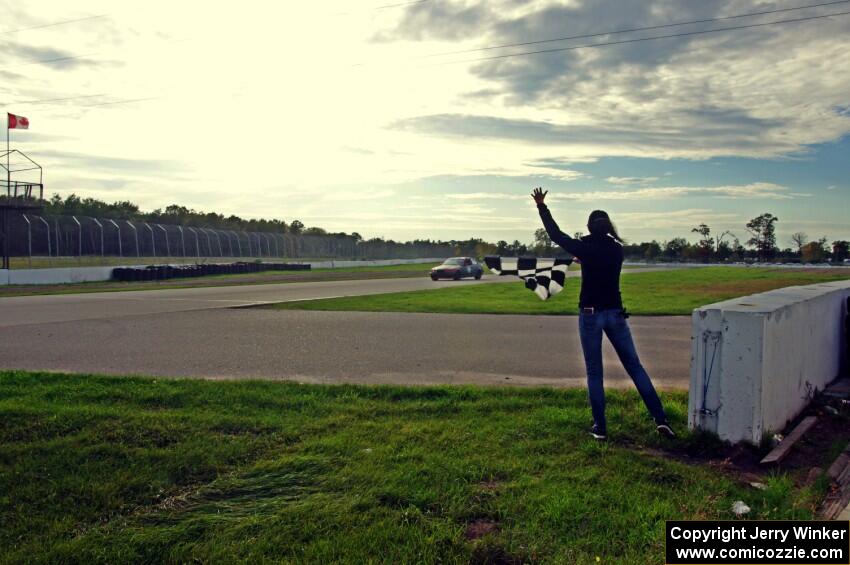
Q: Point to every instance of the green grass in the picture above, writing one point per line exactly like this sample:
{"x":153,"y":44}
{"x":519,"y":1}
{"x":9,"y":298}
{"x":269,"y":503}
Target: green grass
{"x":671,"y":292}
{"x":118,"y":470}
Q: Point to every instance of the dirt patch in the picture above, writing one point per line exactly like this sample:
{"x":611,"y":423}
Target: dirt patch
{"x":822,"y":443}
{"x":480,"y":528}
{"x":740,"y":462}
{"x":489,"y":486}
{"x":818,"y":448}
{"x":494,"y":555}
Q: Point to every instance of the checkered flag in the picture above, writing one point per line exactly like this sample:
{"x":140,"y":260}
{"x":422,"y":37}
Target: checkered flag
{"x":546,"y":277}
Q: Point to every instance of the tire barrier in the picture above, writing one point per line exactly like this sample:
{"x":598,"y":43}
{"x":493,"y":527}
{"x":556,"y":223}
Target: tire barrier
{"x":164,"y":272}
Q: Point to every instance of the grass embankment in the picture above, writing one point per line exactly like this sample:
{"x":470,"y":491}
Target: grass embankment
{"x":265,"y":277}
{"x":100,"y":469}
{"x":669,"y":292}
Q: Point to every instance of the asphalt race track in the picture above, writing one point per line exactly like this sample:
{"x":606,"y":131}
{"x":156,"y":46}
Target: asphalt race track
{"x":24,"y":310}
{"x":205,"y":332}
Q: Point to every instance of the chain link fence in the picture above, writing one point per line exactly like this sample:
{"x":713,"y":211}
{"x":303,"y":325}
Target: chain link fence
{"x":54,"y":241}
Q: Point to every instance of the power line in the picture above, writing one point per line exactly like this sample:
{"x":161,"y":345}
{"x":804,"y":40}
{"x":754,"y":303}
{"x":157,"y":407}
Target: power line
{"x":662,"y":26}
{"x":384,"y":7}
{"x":625,"y":41}
{"x":127,"y":101}
{"x":56,"y":100}
{"x":63,"y":22}
{"x":407,"y":4}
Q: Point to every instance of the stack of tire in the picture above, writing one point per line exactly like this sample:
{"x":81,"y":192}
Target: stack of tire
{"x":165,"y":272}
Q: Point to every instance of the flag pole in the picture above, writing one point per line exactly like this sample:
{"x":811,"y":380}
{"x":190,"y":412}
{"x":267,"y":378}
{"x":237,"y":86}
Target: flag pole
{"x":8,"y":153}
{"x":6,"y":262}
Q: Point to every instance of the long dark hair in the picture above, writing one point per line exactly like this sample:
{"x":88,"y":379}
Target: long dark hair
{"x":600,"y":223}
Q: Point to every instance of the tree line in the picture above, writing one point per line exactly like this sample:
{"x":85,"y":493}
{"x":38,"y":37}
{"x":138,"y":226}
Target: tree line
{"x":759,"y":243}
{"x":175,"y":214}
{"x":73,"y":205}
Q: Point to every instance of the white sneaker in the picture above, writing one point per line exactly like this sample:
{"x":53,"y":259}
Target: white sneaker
{"x":665,"y":430}
{"x":598,"y":434}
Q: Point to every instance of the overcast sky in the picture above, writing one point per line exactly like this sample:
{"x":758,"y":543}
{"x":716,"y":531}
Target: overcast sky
{"x":359,"y":116}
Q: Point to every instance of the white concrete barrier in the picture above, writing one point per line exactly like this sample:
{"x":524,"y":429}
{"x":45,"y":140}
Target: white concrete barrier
{"x":65,"y":275}
{"x":58,"y":275}
{"x":756,"y":361}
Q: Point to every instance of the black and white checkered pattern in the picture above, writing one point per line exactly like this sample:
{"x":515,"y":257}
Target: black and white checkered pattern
{"x":546,"y":277}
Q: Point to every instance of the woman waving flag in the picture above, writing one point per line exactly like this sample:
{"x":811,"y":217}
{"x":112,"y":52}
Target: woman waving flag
{"x":601,"y":311}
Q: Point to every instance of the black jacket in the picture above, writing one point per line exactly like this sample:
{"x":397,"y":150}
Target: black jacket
{"x":601,"y":259}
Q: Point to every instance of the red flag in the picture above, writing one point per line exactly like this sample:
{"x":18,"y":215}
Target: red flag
{"x":18,"y":122}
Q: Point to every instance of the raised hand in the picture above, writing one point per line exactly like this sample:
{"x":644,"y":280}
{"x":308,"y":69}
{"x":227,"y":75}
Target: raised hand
{"x":539,"y":194}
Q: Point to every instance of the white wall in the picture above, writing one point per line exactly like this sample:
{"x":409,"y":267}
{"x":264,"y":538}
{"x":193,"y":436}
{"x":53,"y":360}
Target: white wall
{"x":771,"y":352}
{"x":58,"y":275}
{"x":93,"y":274}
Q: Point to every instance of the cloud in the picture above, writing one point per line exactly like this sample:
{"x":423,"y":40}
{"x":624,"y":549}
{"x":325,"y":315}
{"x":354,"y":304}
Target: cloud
{"x":731,"y":132}
{"x":559,"y":167}
{"x":97,"y":164}
{"x":10,"y":76}
{"x":631,"y":180}
{"x":57,"y":59}
{"x":471,"y":223}
{"x":530,"y":172}
{"x":376,"y":194}
{"x":456,"y":20}
{"x":357,"y":150}
{"x":38,"y":137}
{"x":792,"y":225}
{"x":482,"y":127}
{"x":761,"y":92}
{"x":759,"y":190}
{"x":487,"y":196}
{"x":686,"y":218}
{"x":561,"y":162}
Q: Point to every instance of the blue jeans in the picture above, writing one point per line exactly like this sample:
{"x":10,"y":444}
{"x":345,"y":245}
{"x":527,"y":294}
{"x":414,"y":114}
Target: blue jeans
{"x":614,"y":324}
